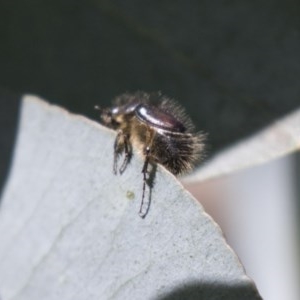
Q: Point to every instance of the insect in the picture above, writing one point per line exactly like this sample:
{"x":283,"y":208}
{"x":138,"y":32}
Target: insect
{"x":158,"y":128}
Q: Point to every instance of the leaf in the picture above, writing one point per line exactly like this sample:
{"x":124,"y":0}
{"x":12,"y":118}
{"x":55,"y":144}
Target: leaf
{"x":70,"y":229}
{"x":279,"y":139}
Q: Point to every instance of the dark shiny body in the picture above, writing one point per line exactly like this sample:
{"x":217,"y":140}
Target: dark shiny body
{"x":154,"y":117}
{"x":158,"y":128}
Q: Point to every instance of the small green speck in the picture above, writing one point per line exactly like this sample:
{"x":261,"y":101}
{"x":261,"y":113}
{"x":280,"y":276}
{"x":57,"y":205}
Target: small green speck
{"x":130,"y":195}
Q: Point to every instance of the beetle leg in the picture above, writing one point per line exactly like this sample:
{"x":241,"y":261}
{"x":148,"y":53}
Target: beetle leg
{"x":118,"y":149}
{"x":128,"y":152}
{"x":144,"y":171}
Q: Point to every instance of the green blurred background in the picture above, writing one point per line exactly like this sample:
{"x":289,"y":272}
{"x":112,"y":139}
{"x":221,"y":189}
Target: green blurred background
{"x":234,"y":65}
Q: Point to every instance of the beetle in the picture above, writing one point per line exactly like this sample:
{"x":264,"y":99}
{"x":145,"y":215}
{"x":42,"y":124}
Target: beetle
{"x":157,"y":127}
